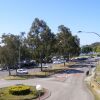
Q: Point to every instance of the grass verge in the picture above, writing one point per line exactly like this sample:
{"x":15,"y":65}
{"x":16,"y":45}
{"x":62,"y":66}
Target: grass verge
{"x":45,"y":73}
{"x":15,"y":78}
{"x":96,"y":95}
{"x":31,"y":75}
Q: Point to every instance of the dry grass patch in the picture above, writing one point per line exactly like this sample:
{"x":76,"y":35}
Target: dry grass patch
{"x":40,"y":74}
{"x":15,"y":78}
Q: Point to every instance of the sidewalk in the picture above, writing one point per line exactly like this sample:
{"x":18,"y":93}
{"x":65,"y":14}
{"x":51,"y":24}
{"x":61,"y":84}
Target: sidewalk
{"x":93,"y":84}
{"x":88,"y":78}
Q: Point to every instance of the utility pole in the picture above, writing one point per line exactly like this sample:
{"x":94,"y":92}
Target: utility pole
{"x":20,"y":37}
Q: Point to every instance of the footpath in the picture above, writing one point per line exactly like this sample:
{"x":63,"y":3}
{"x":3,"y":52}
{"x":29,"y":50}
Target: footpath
{"x":93,"y":84}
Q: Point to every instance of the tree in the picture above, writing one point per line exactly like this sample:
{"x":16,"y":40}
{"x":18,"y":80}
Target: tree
{"x":86,"y":49}
{"x":9,"y":52}
{"x":68,"y":45}
{"x":41,"y":39}
{"x":47,"y":40}
{"x":97,"y":48}
{"x":74,"y":46}
{"x":24,"y":52}
{"x":34,"y":38}
{"x":63,"y":40}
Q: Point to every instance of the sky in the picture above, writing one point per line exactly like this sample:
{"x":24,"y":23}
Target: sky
{"x":17,"y":16}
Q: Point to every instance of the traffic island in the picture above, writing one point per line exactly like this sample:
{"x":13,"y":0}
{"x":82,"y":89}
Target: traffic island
{"x":23,"y":92}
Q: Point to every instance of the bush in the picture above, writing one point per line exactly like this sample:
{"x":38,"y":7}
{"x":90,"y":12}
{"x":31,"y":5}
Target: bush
{"x":19,"y":90}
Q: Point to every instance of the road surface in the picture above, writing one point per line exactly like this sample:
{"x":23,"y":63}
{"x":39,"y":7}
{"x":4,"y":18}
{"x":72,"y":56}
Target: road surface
{"x":64,"y":86}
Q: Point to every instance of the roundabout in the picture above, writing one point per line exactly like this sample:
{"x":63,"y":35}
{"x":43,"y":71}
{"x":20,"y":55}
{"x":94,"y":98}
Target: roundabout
{"x":22,"y":92}
{"x":71,"y":88}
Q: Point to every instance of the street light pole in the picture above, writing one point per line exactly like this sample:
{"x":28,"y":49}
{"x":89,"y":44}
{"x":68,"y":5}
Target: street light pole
{"x":39,"y":88}
{"x":93,"y":33}
{"x":89,"y":32}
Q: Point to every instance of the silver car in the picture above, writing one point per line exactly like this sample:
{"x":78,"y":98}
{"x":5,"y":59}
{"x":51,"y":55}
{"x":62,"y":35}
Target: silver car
{"x":22,"y":71}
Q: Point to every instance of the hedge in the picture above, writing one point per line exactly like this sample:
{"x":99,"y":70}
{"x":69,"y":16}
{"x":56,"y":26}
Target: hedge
{"x":19,"y":90}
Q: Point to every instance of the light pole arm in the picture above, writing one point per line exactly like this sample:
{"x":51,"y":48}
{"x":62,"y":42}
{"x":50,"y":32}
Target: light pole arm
{"x":94,"y":33}
{"x":89,"y":32}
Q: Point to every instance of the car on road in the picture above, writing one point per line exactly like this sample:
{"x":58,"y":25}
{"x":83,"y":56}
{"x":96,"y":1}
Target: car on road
{"x":22,"y":71}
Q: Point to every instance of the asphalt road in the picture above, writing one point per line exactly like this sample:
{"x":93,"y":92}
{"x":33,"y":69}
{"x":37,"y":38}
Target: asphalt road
{"x":68,"y":85}
{"x":4,"y":73}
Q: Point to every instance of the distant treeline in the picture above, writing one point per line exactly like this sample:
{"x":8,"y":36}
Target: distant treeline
{"x":94,"y":47}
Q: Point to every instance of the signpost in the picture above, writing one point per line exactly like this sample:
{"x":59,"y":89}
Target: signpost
{"x":39,"y":88}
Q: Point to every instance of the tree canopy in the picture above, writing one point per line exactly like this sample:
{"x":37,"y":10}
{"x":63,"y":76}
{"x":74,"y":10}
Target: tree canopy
{"x":40,"y":42}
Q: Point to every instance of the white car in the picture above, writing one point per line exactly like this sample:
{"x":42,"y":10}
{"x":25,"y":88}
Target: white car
{"x":1,"y":69}
{"x":22,"y":71}
{"x":56,"y":62}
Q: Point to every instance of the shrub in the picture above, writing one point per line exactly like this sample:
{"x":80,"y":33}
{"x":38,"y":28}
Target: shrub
{"x":19,"y":90}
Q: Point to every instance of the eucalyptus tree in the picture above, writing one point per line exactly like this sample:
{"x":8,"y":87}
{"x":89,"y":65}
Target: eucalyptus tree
{"x":67,"y":44}
{"x":9,"y":51}
{"x":34,"y":38}
{"x":41,"y":39}
{"x":48,"y":41}
{"x":74,"y":46}
{"x":63,"y":38}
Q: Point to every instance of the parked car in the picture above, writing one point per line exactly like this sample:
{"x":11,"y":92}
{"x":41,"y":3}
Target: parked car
{"x":22,"y":71}
{"x":56,"y":62}
{"x":27,"y":64}
{"x":1,"y":69}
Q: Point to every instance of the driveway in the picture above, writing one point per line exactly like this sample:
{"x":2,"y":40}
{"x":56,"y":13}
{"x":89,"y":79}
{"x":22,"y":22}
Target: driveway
{"x":71,"y":88}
